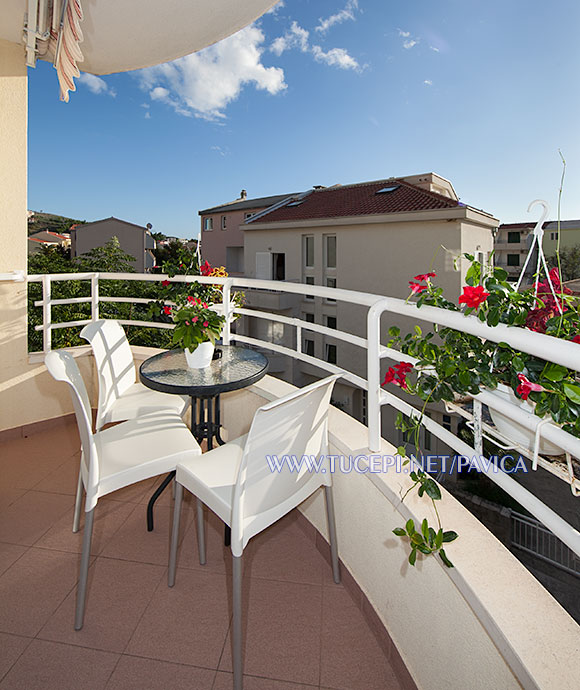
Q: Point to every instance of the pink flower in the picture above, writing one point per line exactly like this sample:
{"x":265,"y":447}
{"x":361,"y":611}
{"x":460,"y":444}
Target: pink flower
{"x":398,"y":374}
{"x":167,"y":310}
{"x":526,"y":387}
{"x":190,"y":299}
{"x":205,"y":324}
{"x":415,"y":287}
{"x":204,"y":305}
{"x":165,"y":283}
{"x":195,"y":319}
{"x":187,"y":323}
{"x":473,"y":296}
{"x":425,"y":276}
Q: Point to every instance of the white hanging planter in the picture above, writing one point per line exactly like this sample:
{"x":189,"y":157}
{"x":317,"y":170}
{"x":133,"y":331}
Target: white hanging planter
{"x":201,"y":357}
{"x":516,"y":432}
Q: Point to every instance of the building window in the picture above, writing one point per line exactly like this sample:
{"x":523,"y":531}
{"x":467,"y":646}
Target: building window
{"x":309,"y":280}
{"x":331,"y":321}
{"x":308,"y":251}
{"x":330,"y":353}
{"x":309,"y":317}
{"x":331,"y":283}
{"x":248,"y":215}
{"x":208,"y":224}
{"x":553,"y":235}
{"x":309,"y":347}
{"x":513,"y":259}
{"x":330,"y":251}
{"x":513,"y":237}
{"x":446,"y":422}
{"x":224,"y":222}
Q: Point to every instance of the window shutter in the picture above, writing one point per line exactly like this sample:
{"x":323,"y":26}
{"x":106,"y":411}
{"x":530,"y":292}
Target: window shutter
{"x":263,"y":266}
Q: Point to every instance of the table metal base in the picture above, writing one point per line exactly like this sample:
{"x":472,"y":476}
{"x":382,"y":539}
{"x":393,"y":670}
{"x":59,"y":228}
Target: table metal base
{"x":205,"y":426}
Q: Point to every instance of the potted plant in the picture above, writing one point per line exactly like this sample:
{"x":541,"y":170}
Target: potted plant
{"x":197,"y":327}
{"x":458,"y":364}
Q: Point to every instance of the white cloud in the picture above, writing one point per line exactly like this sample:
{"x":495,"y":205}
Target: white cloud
{"x":337,"y":57}
{"x":295,"y":37}
{"x":147,"y":115}
{"x":409,"y":41}
{"x":409,"y":44}
{"x":434,"y":49}
{"x":204,"y":83}
{"x":344,"y":15}
{"x":278,"y":6}
{"x":404,"y":34}
{"x":219,"y":149}
{"x":428,"y":82}
{"x":96,"y":84}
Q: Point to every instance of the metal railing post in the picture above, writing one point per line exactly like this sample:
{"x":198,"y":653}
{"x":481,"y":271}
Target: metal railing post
{"x":227,"y":293}
{"x":477,"y":428}
{"x":46,"y":313}
{"x":374,"y":376}
{"x":95,"y":297}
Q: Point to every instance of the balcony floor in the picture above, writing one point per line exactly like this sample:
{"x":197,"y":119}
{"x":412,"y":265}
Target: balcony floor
{"x":302,"y":631}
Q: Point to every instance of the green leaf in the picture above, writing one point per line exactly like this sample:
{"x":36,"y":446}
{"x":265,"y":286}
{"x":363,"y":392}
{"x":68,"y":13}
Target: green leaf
{"x":400,"y":532}
{"x":439,"y":539}
{"x":555,"y":372}
{"x":572,"y":392}
{"x":432,"y":490}
{"x":394,"y":331}
{"x":402,"y":451}
{"x":416,"y":539}
{"x":413,"y":557}
{"x":444,"y":558}
{"x":418,"y":330}
{"x":449,"y":536}
{"x":425,"y":529}
{"x":410,"y":527}
{"x":424,"y":549}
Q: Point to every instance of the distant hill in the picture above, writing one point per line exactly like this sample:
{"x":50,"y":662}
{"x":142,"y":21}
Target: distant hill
{"x":51,"y":222}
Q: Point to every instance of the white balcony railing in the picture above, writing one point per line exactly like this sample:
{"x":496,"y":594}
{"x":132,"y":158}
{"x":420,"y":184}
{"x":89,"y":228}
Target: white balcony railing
{"x":539,"y":345}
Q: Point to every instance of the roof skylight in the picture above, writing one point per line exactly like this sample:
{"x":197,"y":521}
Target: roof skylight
{"x":385,"y":190}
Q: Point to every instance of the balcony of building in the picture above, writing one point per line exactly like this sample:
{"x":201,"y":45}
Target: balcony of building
{"x":486,"y":623}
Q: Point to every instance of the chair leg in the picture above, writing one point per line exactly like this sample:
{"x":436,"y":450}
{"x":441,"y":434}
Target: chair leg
{"x":332,"y":533}
{"x":200,"y":532}
{"x":84,"y":571}
{"x":78,"y":504}
{"x":175,"y":534}
{"x":237,"y":621}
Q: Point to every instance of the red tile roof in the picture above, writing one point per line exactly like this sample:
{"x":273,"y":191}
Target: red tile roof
{"x":359,"y":200}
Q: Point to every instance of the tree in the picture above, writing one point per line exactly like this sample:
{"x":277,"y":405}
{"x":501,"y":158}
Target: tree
{"x":569,"y":261}
{"x":109,"y":259}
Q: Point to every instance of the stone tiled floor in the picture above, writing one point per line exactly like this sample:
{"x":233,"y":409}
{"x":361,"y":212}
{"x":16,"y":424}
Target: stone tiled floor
{"x":301,"y":630}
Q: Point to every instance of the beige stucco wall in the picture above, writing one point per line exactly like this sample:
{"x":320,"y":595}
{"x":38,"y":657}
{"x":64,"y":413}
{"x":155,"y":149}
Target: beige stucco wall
{"x":97,"y":234}
{"x":487,"y":623}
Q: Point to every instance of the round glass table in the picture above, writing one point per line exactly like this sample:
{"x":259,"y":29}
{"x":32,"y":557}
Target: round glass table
{"x":233,"y":368}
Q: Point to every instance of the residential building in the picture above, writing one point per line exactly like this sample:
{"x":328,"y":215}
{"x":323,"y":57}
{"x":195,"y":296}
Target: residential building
{"x":513,"y":242}
{"x":135,"y":240}
{"x":222,"y":229}
{"x":370,"y":237}
{"x":45,"y":238}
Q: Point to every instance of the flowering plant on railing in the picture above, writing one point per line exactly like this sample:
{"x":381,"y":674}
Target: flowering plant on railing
{"x":195,"y":322}
{"x":458,"y":364}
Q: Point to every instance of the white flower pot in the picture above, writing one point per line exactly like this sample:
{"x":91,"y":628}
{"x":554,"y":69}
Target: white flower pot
{"x":514,"y":431}
{"x":201,"y":357}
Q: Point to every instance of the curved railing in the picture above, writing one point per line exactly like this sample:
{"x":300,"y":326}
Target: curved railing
{"x":539,"y":345}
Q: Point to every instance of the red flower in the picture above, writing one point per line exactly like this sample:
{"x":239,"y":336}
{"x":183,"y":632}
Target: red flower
{"x":415,"y":287}
{"x":205,"y":324}
{"x":205,"y":269}
{"x":398,"y":374}
{"x":576,"y":339}
{"x":425,"y":276}
{"x":526,"y":387}
{"x":190,"y":299}
{"x":537,"y":318}
{"x":204,"y":305}
{"x":473,"y":296}
{"x":165,"y":283}
{"x":167,"y":310}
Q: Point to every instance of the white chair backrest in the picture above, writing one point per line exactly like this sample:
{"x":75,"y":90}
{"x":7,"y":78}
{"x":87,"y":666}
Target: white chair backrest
{"x":296,"y":425}
{"x":114,"y":360}
{"x":63,"y":367}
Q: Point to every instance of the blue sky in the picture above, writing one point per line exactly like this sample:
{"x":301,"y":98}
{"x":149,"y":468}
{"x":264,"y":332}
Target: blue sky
{"x":323,"y":92}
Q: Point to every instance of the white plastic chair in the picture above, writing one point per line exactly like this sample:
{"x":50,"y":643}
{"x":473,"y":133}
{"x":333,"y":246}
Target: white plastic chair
{"x":236,"y":482}
{"x":121,"y":396}
{"x":119,"y":456}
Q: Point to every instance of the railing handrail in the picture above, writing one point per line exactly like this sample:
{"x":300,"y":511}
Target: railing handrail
{"x":540,"y":345}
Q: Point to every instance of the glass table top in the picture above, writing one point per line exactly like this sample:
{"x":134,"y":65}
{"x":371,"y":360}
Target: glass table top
{"x":237,"y":368}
